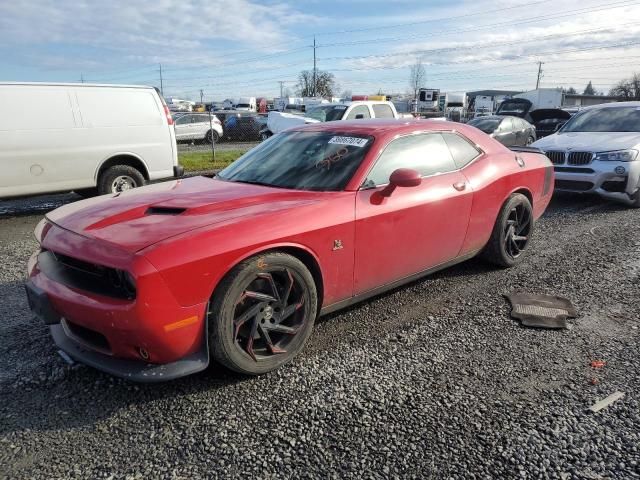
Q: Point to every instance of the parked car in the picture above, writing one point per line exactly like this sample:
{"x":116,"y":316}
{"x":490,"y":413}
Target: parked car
{"x":243,"y":126}
{"x":152,"y":284}
{"x":330,"y":112}
{"x":548,"y":120}
{"x":597,"y":151}
{"x":198,"y":127}
{"x":510,"y":131}
{"x":87,"y":138}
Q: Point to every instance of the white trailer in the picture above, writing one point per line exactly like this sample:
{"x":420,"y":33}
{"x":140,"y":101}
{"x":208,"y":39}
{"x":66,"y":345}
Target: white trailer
{"x":455,"y":106}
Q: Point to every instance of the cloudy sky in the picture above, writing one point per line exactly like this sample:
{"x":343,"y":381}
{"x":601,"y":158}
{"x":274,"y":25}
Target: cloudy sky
{"x":230,"y":48}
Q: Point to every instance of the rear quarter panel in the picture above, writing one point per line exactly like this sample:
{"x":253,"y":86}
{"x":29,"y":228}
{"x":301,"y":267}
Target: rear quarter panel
{"x":494,"y":177}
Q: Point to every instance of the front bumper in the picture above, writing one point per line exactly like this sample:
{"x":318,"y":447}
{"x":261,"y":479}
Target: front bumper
{"x":609,"y":179}
{"x":81,"y":351}
{"x":149,"y":337}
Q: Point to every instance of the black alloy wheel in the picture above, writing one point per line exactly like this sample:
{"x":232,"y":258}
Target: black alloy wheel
{"x":262,"y":313}
{"x":517,"y":230}
{"x":511,"y":232}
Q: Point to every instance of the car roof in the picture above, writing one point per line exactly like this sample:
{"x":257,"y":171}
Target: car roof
{"x":611,"y":105}
{"x":380,"y":126}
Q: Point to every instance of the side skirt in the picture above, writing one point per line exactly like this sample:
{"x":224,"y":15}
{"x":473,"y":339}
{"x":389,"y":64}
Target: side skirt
{"x":397,"y":283}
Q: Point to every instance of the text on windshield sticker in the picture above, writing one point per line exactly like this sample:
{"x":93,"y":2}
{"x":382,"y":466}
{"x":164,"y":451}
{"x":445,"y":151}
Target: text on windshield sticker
{"x":353,"y":141}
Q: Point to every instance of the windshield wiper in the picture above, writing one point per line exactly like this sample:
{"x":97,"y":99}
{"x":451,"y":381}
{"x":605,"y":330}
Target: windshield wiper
{"x":254,"y":182}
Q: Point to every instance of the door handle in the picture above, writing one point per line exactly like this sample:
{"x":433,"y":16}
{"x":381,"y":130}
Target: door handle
{"x":460,"y":186}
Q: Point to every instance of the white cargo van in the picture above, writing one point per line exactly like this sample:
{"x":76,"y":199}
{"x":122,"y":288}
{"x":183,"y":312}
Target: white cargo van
{"x":83,"y":137}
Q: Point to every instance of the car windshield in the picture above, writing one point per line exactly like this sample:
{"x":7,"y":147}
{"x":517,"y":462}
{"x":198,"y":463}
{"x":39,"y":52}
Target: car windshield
{"x":487,"y":125}
{"x":610,"y":119}
{"x":301,"y":160}
{"x":327,"y":113}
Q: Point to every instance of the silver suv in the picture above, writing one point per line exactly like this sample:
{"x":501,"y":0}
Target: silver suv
{"x":597,"y":151}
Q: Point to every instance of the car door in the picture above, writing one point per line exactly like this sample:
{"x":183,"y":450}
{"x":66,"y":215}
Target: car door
{"x":183,"y":127}
{"x":200,"y":126}
{"x":415,"y":228}
{"x":505,"y":133}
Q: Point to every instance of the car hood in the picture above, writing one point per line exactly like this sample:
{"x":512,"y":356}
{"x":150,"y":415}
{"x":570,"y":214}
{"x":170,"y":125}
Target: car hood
{"x":141,"y":217}
{"x":589,"y":141}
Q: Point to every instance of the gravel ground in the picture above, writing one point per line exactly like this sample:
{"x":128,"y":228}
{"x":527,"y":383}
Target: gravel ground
{"x":433,"y":380}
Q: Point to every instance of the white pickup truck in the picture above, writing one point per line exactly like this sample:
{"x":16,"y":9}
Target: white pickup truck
{"x":330,"y":112}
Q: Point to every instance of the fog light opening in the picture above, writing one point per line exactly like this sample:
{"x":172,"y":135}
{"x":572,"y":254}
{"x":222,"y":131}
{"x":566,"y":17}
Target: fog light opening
{"x":143,"y":353}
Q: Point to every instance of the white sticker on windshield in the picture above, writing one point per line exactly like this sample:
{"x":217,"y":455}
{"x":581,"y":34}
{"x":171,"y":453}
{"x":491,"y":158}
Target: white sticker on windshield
{"x":353,"y":141}
{"x":340,"y":107}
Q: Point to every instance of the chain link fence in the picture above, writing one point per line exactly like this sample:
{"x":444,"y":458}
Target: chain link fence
{"x":212,"y":140}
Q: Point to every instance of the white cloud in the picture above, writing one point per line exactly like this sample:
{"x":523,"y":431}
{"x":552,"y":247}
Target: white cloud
{"x":148,"y":30}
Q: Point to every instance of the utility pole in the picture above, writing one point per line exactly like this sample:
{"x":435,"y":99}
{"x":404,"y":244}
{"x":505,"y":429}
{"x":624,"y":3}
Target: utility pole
{"x":201,"y":96}
{"x":81,"y":78}
{"x":161,"y":88}
{"x":281,"y":82}
{"x":314,"y":65}
{"x":539,"y":74}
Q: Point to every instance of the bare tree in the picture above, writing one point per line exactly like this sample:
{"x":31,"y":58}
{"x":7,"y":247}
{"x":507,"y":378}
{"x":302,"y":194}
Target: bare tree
{"x":325,"y":84}
{"x":346,"y":94}
{"x":629,"y":89}
{"x":417,"y":79}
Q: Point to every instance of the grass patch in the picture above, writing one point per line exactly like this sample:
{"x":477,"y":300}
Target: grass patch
{"x":198,"y":161}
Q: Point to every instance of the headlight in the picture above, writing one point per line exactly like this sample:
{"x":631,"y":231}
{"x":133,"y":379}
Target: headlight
{"x":41,"y":230}
{"x":617,"y":156}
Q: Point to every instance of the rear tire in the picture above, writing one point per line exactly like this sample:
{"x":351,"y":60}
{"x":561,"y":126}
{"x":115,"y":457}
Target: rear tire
{"x":119,"y":178}
{"x":209,"y":135}
{"x":262,"y":313}
{"x":511,"y":233}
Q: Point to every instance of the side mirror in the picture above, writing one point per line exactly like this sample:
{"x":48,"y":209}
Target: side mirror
{"x":359,"y":116}
{"x":402,"y":177}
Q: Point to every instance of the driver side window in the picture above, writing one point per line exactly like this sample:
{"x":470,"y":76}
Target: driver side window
{"x":426,"y":153}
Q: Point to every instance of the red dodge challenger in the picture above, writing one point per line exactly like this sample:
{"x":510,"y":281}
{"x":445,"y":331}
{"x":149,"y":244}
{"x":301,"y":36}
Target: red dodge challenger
{"x":152,"y":283}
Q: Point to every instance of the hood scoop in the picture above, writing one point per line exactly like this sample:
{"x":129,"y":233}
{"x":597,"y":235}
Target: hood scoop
{"x":159,"y":210}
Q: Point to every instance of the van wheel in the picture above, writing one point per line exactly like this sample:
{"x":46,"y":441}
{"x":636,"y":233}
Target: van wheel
{"x":119,"y":178}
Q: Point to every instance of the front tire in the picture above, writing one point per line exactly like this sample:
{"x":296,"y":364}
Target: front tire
{"x":119,"y":178}
{"x":511,"y":233}
{"x":635,"y":199}
{"x":262,"y":313}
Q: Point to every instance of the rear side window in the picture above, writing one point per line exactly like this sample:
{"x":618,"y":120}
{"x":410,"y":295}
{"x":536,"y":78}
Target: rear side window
{"x":426,"y":153}
{"x":382,"y":111}
{"x":461,"y":149}
{"x":118,"y":107}
{"x":359,"y":110}
{"x":506,"y":125}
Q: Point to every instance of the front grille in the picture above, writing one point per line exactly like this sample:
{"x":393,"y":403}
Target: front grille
{"x":573,"y":170}
{"x":574,"y":186}
{"x":86,"y":276}
{"x":557,"y":158}
{"x":580,"y":158}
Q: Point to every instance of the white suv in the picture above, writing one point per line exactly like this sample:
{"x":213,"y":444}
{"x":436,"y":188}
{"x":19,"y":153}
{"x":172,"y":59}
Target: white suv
{"x":597,"y":151}
{"x":198,"y":127}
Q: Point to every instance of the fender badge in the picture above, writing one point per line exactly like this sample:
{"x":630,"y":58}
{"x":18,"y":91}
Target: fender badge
{"x":337,"y":245}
